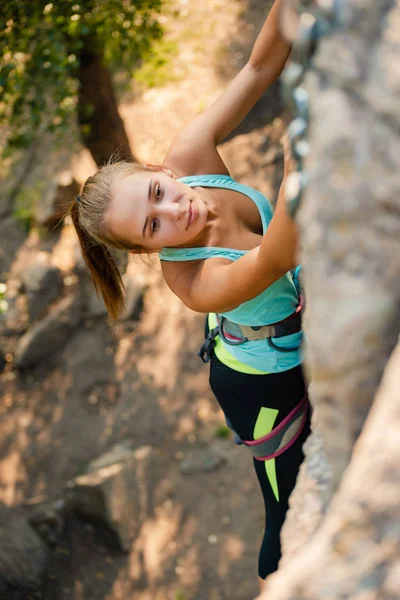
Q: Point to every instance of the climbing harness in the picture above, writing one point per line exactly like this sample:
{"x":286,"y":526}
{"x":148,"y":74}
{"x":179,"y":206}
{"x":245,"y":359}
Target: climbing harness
{"x":282,"y":436}
{"x":208,"y":345}
{"x":234,"y":334}
{"x":304,"y":25}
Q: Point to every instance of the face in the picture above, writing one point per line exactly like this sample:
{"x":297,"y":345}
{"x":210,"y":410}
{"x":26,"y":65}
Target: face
{"x":155,"y":210}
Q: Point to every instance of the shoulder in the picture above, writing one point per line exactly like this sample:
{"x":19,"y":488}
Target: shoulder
{"x":182,"y":278}
{"x":191,"y":154}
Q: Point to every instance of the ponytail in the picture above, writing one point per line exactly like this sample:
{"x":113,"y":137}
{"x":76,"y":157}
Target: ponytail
{"x":88,"y":213}
{"x":103,"y":268}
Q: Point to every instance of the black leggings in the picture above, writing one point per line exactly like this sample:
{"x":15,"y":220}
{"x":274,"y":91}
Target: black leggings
{"x":241,"y":396}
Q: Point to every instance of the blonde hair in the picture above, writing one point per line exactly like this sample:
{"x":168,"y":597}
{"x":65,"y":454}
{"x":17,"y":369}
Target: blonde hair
{"x":88,"y":214}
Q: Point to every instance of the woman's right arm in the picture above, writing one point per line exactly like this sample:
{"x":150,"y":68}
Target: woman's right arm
{"x":282,"y":228}
{"x":218,"y":285}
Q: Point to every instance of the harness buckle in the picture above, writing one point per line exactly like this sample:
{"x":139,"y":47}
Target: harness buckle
{"x":208,"y":345}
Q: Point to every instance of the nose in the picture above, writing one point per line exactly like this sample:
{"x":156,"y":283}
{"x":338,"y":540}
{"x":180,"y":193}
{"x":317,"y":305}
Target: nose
{"x":171,"y":210}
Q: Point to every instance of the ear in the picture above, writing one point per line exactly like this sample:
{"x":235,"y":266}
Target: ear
{"x":160,"y":168}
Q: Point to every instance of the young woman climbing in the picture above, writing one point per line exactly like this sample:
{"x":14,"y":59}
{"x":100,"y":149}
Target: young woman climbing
{"x":223,"y":252}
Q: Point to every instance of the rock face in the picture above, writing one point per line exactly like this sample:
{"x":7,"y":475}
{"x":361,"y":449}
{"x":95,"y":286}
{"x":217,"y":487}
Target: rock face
{"x":350,"y":233}
{"x":308,"y":501}
{"x":350,"y":227}
{"x":49,"y":334}
{"x":114,"y":490}
{"x":356,"y":552}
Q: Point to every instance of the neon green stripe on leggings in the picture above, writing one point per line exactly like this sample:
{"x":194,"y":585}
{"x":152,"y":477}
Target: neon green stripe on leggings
{"x":226,"y":357}
{"x":264,"y":425}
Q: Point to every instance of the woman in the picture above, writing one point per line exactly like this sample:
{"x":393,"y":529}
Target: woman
{"x":223,"y":253}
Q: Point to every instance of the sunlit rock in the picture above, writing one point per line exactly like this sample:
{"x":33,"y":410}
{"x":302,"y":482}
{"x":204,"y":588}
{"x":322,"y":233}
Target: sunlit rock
{"x":49,"y":334}
{"x":115,"y":489}
{"x":42,"y":285}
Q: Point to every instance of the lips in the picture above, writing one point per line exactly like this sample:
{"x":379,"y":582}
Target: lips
{"x":191,"y":216}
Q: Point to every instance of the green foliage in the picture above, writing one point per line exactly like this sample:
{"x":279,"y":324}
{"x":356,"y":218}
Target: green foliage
{"x":3,"y":302}
{"x":40,"y":48}
{"x":156,"y":69}
{"x":25,"y":202}
{"x":24,"y":216}
{"x":222,"y":431}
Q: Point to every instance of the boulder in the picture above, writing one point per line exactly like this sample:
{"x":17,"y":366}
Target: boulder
{"x":54,"y":201}
{"x":48,"y":520}
{"x":121,"y":258}
{"x":115,"y":490}
{"x":24,"y":557}
{"x":12,"y":236}
{"x":42,"y":284}
{"x":49,"y":334}
{"x":135,"y":287}
{"x":203,"y":460}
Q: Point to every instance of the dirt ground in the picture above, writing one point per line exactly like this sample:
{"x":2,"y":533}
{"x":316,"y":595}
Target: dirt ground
{"x":201,"y":540}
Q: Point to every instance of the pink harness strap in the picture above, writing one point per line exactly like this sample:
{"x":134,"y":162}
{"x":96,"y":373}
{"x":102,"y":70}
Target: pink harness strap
{"x":283,"y":435}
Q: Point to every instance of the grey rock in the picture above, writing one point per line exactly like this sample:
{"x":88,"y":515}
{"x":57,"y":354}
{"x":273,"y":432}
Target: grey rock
{"x":49,"y":334}
{"x":350,"y":230}
{"x":95,"y":306}
{"x":42,"y":285}
{"x":349,"y":224}
{"x":60,"y":191}
{"x":308,"y":501}
{"x":12,"y":236}
{"x":49,"y":521}
{"x":135,"y":288}
{"x":14,"y":321}
{"x":121,"y":257}
{"x":80,"y":267}
{"x":202,"y":460}
{"x":24,"y":558}
{"x":355,"y":552}
{"x":115,"y":489}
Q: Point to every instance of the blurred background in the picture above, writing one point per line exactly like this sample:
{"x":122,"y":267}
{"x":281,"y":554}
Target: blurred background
{"x":170,"y":507}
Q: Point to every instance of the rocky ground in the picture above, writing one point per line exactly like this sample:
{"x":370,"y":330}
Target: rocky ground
{"x":185,"y":510}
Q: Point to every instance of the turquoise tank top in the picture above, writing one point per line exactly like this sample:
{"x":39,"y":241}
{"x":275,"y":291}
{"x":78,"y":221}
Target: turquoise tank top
{"x":275,"y":303}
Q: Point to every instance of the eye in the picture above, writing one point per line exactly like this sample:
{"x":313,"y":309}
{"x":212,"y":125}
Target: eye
{"x":155,"y":224}
{"x":158,"y":192}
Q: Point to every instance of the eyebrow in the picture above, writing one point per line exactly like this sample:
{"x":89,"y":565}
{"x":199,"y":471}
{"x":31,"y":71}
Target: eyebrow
{"x":147,"y":218}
